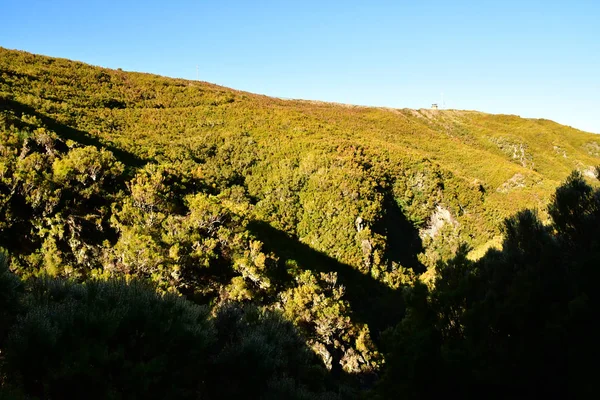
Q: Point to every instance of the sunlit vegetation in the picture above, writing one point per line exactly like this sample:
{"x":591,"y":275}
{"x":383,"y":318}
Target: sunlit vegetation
{"x":278,"y":248}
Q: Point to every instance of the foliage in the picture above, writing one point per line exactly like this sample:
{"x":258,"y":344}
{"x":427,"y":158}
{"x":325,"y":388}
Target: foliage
{"x":9,"y":297}
{"x":108,"y":340}
{"x":117,"y":340}
{"x":321,"y":214}
{"x":262,"y":356}
{"x":517,"y":323}
{"x":309,"y":168}
{"x":317,"y":307}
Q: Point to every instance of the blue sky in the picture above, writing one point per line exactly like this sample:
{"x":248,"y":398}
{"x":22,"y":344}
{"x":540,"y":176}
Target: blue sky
{"x":536,"y":59}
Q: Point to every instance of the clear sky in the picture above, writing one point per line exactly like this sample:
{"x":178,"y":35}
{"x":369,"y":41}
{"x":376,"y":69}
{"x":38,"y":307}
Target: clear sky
{"x":531,"y":58}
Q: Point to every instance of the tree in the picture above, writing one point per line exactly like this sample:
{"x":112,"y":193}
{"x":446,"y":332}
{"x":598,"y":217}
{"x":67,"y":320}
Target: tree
{"x":108,"y":340}
{"x":517,"y":323}
{"x":317,"y":308}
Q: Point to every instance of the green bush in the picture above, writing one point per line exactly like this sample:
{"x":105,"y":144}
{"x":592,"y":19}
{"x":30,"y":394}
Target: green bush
{"x":108,"y":340}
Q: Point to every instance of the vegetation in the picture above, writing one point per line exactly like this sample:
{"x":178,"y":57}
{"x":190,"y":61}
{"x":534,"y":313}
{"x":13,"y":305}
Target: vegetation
{"x":114,"y":340}
{"x":164,"y":238}
{"x":515,"y":324}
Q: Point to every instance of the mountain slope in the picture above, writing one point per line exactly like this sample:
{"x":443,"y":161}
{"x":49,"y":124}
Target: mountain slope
{"x":307,"y":208}
{"x":514,"y":162}
{"x":324,"y":217}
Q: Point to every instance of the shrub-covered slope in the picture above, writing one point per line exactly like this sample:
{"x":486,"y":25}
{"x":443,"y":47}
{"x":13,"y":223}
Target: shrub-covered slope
{"x":317,"y":210}
{"x":295,"y":159}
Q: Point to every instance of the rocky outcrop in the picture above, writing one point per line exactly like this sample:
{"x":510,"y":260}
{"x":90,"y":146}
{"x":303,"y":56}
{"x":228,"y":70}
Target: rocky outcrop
{"x":440,"y":217}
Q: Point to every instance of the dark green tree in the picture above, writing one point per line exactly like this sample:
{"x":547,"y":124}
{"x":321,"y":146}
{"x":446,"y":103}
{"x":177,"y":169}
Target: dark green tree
{"x":108,"y":340}
{"x":519,"y":322}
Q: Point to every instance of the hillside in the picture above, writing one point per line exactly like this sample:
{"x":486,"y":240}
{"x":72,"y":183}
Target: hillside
{"x":303,"y":207}
{"x":492,"y":165}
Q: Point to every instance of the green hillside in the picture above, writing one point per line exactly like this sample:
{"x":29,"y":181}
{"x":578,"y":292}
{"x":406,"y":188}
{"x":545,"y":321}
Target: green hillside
{"x":318,"y":211}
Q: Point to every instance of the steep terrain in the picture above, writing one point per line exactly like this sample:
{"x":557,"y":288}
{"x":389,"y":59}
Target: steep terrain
{"x":304,"y":207}
{"x":479,"y":167}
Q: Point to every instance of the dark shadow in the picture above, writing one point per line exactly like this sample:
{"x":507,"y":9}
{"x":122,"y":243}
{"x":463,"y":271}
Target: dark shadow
{"x":403,"y":241}
{"x":66,"y":132}
{"x":16,"y":75}
{"x":372,"y":302}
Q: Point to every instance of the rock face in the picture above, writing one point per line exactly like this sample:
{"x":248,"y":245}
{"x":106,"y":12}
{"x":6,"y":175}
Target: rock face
{"x":518,"y":152}
{"x":589,"y":172}
{"x":560,"y":151}
{"x":592,"y":148}
{"x":515,"y":182}
{"x":359,"y":224}
{"x":440,"y":217}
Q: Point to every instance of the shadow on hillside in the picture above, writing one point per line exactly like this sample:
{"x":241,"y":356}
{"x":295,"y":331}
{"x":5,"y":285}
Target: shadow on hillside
{"x":403,"y":241}
{"x":16,"y":75}
{"x":66,"y":132}
{"x":372,"y":302}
